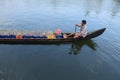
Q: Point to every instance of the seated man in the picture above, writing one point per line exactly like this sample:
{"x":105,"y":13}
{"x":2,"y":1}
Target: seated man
{"x":83,"y":30}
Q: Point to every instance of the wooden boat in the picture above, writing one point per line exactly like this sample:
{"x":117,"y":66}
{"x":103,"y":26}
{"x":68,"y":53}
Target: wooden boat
{"x":89,"y":36}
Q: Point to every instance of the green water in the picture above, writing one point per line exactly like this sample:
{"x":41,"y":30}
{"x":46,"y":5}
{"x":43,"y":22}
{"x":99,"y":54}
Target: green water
{"x":96,"y":59}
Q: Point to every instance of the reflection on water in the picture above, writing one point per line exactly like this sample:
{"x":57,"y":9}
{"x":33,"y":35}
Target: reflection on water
{"x":57,"y":6}
{"x":77,"y":46}
{"x":33,"y":14}
{"x":116,"y":8}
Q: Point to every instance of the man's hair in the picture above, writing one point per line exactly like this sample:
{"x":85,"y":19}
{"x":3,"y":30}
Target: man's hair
{"x":84,"y":21}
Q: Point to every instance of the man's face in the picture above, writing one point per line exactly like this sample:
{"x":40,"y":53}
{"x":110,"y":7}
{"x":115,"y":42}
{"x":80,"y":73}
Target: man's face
{"x":82,"y":24}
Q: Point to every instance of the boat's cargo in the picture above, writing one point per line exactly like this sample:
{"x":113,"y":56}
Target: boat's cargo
{"x":46,"y":39}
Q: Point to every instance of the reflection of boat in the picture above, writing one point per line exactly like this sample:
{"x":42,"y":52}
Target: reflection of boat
{"x":38,"y":40}
{"x":76,"y":46}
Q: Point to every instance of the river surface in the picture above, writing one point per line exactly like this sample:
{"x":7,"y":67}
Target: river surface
{"x":96,"y":59}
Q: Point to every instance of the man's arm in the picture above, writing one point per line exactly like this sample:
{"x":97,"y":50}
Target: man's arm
{"x":78,"y":25}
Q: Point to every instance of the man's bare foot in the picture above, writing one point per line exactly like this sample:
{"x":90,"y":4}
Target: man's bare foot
{"x":65,"y":36}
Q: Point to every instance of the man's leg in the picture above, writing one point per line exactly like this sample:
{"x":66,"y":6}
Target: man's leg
{"x":72,"y":34}
{"x":78,"y":35}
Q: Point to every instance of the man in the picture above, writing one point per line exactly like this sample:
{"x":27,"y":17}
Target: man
{"x":83,"y":30}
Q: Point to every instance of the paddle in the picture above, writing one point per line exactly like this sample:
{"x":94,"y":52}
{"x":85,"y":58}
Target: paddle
{"x":75,"y":28}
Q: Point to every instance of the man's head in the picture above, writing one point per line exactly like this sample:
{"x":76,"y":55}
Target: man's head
{"x":83,"y":22}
